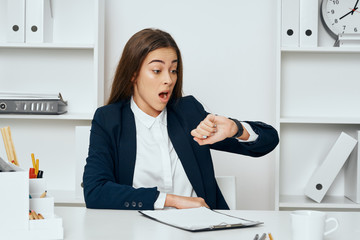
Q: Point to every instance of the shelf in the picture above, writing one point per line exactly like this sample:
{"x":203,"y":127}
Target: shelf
{"x":320,"y":120}
{"x":49,"y":45}
{"x":66,"y":116}
{"x":321,"y":50}
{"x":329,"y":202}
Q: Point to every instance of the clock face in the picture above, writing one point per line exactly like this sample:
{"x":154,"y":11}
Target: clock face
{"x":341,"y":16}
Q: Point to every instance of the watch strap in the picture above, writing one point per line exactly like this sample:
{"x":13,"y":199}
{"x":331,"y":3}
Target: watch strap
{"x":240,"y":128}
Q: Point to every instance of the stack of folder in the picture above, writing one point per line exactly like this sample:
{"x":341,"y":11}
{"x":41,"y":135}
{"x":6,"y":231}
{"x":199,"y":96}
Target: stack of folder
{"x":28,"y":103}
{"x":29,"y":21}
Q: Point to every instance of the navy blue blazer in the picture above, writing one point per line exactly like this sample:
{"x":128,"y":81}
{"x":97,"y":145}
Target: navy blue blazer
{"x":109,"y":170}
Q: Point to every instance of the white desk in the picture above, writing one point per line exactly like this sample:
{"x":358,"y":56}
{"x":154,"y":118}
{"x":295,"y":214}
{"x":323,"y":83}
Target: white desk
{"x":81,"y":223}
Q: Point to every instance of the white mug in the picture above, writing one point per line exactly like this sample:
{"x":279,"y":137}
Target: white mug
{"x":310,"y":225}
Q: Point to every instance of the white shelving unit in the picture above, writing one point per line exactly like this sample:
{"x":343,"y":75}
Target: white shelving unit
{"x":73,"y":64}
{"x":317,"y":98}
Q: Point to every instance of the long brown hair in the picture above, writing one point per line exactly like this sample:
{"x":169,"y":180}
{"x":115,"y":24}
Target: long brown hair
{"x":134,"y":53}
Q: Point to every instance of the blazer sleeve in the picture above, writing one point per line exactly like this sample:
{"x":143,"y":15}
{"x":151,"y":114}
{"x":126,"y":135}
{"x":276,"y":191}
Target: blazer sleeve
{"x":102,"y":188}
{"x":267,"y":140}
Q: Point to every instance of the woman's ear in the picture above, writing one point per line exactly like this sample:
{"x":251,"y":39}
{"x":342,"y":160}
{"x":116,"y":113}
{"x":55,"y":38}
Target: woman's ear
{"x":133,"y":79}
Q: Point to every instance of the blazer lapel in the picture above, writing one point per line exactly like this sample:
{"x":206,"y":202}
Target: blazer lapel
{"x":180,"y":141}
{"x":127,"y":146}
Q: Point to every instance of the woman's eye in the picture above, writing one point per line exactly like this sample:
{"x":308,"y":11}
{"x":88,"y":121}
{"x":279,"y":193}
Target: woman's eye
{"x":156,"y":71}
{"x":174,"y":71}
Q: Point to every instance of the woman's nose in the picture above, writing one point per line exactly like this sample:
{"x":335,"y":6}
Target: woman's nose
{"x":168,"y":78}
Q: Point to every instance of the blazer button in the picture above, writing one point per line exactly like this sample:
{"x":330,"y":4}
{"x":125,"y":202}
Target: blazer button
{"x":133,"y":204}
{"x":140,"y":204}
{"x":126,"y":204}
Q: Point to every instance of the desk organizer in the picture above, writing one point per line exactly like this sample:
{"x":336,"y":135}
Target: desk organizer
{"x":15,"y":188}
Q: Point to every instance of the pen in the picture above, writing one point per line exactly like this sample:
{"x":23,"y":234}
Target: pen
{"x":270,"y":236}
{"x":256,"y":237}
{"x":263,"y":236}
{"x":37,"y":166}
{"x":40,"y":174}
{"x":33,"y":160}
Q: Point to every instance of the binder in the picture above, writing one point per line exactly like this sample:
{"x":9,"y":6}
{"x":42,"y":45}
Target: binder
{"x":290,"y":23}
{"x":15,"y":26}
{"x":309,"y":15}
{"x":325,"y":174}
{"x":352,"y":174}
{"x":198,"y":219}
{"x":39,"y":21}
{"x":18,"y":103}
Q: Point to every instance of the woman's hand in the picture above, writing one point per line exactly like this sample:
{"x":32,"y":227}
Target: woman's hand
{"x":216,"y":128}
{"x":181,"y":202}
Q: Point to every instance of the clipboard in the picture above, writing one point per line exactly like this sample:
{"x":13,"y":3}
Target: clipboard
{"x":198,"y":219}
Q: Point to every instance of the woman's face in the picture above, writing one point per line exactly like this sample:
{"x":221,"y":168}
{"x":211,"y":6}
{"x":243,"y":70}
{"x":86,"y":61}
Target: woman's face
{"x":154,"y":83}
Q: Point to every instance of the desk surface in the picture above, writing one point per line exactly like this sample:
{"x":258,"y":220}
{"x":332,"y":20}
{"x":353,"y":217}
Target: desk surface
{"x":81,"y":223}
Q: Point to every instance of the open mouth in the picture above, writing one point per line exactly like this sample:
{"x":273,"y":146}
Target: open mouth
{"x":164,"y":95}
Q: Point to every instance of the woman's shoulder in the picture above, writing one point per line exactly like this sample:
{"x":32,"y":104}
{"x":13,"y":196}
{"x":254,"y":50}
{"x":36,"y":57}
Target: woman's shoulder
{"x":111,"y":110}
{"x":184,"y":101}
{"x":188,"y":107}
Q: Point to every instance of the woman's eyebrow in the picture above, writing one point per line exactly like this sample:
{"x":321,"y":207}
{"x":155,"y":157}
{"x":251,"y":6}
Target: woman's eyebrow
{"x":161,"y":61}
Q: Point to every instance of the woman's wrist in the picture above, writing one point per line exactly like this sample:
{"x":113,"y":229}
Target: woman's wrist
{"x":239,"y":128}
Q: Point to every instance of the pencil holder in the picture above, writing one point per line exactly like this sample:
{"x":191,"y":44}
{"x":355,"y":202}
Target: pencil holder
{"x":44,"y":206}
{"x":37,"y":185}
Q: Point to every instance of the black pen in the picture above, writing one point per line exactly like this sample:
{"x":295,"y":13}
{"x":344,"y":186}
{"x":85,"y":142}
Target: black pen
{"x":256,"y":237}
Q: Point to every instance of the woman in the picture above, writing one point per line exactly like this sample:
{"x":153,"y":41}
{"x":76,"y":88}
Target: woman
{"x":149,"y":146}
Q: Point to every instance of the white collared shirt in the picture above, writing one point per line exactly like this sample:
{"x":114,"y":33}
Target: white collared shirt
{"x":157,"y":164}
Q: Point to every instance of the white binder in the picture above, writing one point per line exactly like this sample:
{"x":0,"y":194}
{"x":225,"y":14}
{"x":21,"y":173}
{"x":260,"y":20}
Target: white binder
{"x":39,"y":21}
{"x":309,"y":14}
{"x":352,"y":174}
{"x":325,"y":174}
{"x":15,"y":26}
{"x":290,"y":23}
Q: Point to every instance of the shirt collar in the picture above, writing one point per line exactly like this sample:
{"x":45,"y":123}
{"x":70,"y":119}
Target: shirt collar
{"x":146,"y":119}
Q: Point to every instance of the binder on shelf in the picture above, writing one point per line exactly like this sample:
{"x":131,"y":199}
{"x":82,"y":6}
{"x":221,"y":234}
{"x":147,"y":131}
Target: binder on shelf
{"x":352,"y":174}
{"x":39,"y":21}
{"x":290,"y":23}
{"x":325,"y":174}
{"x":29,"y":103}
{"x":15,"y":27}
{"x":309,"y":14}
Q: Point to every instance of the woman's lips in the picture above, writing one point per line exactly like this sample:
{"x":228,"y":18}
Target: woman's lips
{"x":164,"y":96}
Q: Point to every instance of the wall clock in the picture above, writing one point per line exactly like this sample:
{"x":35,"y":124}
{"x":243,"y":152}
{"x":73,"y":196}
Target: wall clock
{"x":341,"y":17}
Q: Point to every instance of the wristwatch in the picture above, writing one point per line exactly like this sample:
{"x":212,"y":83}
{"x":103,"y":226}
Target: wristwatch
{"x":240,"y":128}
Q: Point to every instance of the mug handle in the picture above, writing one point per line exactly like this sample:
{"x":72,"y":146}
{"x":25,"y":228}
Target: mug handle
{"x":333,"y":229}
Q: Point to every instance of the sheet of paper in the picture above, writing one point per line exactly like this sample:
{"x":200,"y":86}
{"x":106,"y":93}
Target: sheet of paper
{"x":196,"y":218}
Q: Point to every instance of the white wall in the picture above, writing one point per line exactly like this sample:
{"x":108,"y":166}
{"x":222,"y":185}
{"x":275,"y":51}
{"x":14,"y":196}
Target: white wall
{"x":229,"y":52}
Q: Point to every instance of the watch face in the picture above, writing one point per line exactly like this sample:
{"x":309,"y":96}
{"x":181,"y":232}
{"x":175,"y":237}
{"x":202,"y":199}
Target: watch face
{"x":341,"y":16}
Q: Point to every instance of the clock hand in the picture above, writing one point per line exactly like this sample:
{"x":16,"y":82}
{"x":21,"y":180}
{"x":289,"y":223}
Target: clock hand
{"x":355,"y":7}
{"x":347,"y":14}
